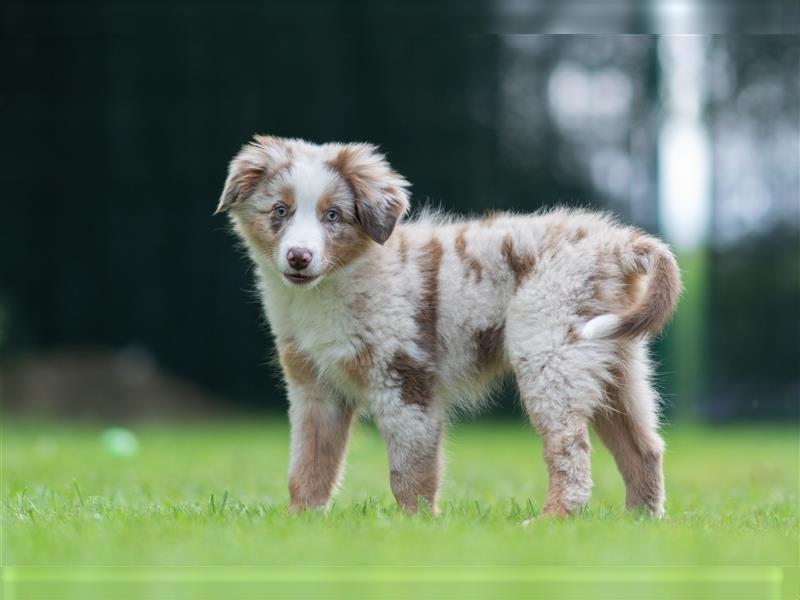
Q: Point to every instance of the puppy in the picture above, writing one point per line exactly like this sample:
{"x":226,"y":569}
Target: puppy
{"x":410,"y":321}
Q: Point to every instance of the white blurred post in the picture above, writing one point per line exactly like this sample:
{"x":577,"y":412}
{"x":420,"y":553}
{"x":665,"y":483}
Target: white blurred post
{"x":683,"y":147}
{"x":685,"y":207}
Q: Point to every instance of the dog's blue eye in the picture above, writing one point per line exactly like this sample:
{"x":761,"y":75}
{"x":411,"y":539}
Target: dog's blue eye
{"x":332,"y":215}
{"x":281,"y":211}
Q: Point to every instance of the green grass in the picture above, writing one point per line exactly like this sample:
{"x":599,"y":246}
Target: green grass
{"x":215,"y":496}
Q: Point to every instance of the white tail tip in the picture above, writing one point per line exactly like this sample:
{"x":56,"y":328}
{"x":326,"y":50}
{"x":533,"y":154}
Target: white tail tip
{"x":600,"y":327}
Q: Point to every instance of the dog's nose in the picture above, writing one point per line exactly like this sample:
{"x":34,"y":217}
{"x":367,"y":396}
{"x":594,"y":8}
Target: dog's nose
{"x":299,"y":258}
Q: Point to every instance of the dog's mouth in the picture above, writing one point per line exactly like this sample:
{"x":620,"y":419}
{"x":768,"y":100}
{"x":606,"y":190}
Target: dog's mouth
{"x":299,"y":278}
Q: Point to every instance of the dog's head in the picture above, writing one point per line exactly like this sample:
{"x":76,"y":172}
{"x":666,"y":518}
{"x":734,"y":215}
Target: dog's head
{"x":311,"y":209}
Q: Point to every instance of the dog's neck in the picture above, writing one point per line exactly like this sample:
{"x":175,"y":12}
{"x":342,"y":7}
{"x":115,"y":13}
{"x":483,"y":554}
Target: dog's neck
{"x":332,"y":309}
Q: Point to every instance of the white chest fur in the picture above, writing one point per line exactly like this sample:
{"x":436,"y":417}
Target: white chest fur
{"x":317,"y":321}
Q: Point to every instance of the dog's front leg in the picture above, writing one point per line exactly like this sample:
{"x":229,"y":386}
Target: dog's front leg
{"x":321,"y":426}
{"x":413,"y":435}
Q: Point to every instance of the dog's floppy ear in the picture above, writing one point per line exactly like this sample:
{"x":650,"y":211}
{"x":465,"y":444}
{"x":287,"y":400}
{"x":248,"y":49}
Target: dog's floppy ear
{"x":381,"y":194}
{"x":256,"y":161}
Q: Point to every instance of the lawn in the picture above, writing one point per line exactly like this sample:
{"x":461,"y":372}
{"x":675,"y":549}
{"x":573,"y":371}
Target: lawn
{"x":210,"y":501}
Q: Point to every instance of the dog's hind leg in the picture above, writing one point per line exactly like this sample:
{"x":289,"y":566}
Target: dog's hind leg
{"x":628,"y":426}
{"x":565,"y":437}
{"x":559,"y":395}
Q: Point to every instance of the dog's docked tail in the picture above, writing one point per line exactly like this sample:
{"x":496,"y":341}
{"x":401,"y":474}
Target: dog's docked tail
{"x":648,"y":257}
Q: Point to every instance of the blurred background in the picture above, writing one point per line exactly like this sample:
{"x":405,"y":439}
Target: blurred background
{"x":121,"y":297}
